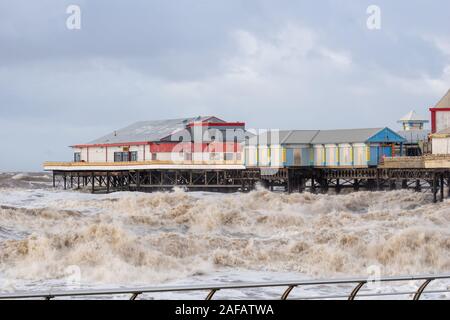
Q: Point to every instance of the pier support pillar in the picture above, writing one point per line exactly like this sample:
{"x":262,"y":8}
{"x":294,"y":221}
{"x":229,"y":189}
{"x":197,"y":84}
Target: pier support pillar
{"x":324,"y":185}
{"x":371,"y":184}
{"x":313,"y":186}
{"x":404,"y":184}
{"x":356,"y":185}
{"x":418,"y":187}
{"x":138,"y":181}
{"x":392,"y":184}
{"x":434,"y":189}
{"x":65,"y":182}
{"x":108,"y":181}
{"x":441,"y":185}
{"x":93,"y":182}
{"x":289,"y":185}
{"x":301,"y":184}
{"x":448,"y":187}
{"x":377,"y":181}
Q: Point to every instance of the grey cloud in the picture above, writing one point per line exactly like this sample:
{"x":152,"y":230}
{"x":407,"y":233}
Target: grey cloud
{"x":136,"y":60}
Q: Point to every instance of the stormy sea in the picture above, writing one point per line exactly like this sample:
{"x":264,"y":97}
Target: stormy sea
{"x":51,"y":239}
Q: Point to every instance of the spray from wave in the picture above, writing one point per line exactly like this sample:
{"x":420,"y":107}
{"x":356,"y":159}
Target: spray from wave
{"x":141,"y":238}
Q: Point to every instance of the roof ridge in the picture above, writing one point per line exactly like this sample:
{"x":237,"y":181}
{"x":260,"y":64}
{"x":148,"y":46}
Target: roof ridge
{"x":312,"y":139}
{"x":287,"y":136}
{"x":447,"y":95}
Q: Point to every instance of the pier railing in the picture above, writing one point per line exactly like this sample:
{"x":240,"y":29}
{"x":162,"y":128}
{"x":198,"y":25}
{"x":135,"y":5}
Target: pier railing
{"x":289,"y":286}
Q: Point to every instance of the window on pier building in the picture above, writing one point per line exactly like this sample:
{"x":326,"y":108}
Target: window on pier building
{"x":125,"y":156}
{"x":229,"y":156}
{"x":117,"y":156}
{"x":77,"y":157}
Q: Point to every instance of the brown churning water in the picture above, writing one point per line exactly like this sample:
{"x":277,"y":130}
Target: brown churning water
{"x":127,"y":238}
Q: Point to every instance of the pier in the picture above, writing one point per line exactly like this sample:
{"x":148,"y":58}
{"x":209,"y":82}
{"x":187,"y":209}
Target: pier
{"x":314,"y":180}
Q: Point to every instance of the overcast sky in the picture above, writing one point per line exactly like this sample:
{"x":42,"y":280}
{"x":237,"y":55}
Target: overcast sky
{"x":273,"y":64}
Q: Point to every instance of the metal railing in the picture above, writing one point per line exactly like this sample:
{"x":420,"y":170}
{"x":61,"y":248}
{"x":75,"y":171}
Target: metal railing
{"x":212,"y":289}
{"x":82,"y":164}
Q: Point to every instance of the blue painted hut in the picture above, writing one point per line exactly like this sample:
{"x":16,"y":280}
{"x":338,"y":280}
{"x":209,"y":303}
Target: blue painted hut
{"x":326,"y":148}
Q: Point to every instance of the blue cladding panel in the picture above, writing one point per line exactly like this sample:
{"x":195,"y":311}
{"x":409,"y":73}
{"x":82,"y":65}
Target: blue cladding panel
{"x":386,"y":152}
{"x":386,"y":136}
{"x":289,"y":158}
{"x":306,"y":157}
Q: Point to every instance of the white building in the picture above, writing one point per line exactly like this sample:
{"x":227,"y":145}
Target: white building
{"x":441,"y":142}
{"x":184,"y":141}
{"x":440,"y":114}
{"x":440,"y":126}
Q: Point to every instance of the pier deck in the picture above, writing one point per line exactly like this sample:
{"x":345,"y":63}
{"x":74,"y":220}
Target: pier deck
{"x":316,"y":180}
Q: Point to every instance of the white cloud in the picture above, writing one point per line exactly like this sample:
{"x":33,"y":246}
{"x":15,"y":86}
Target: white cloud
{"x":442,"y":43}
{"x":290,"y":50}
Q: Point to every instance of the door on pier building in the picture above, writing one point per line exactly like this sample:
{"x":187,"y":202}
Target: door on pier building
{"x":374,"y":155}
{"x":297,"y":158}
{"x":386,"y":151}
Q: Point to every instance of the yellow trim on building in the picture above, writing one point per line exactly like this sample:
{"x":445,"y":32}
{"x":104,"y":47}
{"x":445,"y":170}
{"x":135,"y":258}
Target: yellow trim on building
{"x":351,"y":154}
{"x":367,"y":153}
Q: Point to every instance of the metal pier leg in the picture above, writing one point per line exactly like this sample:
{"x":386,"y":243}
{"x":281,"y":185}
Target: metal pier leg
{"x":392,"y":185}
{"x":138,"y":180}
{"x":289,"y":185}
{"x":65,"y":182}
{"x":441,"y":185}
{"x":324,"y":185}
{"x":93,"y":182}
{"x":313,"y":186}
{"x":418,"y":187}
{"x":448,"y":186}
{"x":434,"y":189}
{"x":356,"y":185}
{"x":301,"y":185}
{"x":377,"y":181}
{"x":54,"y":181}
{"x":404,"y":184}
{"x":108,"y":181}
